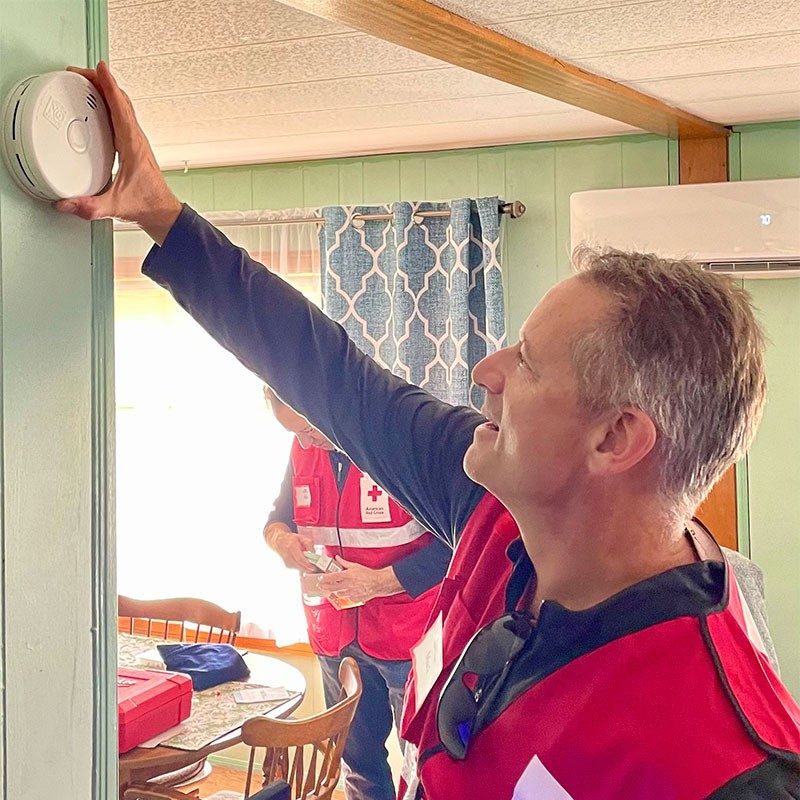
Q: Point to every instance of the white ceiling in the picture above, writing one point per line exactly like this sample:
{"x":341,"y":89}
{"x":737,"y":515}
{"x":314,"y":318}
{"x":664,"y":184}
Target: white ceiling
{"x":237,"y":81}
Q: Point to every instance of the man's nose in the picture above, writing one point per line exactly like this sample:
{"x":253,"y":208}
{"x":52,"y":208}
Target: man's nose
{"x":489,"y":372}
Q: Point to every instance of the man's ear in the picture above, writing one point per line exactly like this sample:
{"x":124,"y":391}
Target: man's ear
{"x":620,"y":441}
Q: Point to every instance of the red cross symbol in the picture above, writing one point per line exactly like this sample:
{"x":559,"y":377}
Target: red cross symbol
{"x":374,"y":493}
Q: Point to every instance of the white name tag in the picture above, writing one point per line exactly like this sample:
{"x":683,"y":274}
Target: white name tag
{"x":426,"y":657}
{"x":374,"y":502}
{"x":537,"y":783}
{"x":302,"y":496}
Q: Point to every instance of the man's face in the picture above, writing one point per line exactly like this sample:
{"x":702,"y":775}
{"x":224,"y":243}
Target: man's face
{"x":307,"y":435}
{"x":535,"y":447}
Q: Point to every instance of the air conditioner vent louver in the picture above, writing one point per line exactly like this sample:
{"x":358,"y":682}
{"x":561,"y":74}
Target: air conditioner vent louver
{"x":733,"y":267}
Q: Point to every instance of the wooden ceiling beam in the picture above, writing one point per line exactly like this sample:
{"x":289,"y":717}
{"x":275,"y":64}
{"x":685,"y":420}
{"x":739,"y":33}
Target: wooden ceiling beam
{"x":426,"y":28}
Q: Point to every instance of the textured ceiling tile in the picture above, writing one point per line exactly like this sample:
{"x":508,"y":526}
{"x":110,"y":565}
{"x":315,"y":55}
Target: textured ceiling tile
{"x":342,"y":120}
{"x":356,"y":92}
{"x":267,"y":64}
{"x":581,"y":29}
{"x":176,"y":26}
{"x":487,"y":12}
{"x":694,"y":59}
{"x":726,"y":85}
{"x":571,"y":125}
{"x":652,"y":25}
{"x":741,"y":110}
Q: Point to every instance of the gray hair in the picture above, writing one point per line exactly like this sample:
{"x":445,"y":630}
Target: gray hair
{"x":683,"y":345}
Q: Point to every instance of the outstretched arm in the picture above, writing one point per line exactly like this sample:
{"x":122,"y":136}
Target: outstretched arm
{"x":409,"y":442}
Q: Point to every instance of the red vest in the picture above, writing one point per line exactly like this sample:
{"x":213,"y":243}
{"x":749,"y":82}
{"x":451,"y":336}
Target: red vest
{"x":676,"y":734}
{"x":374,"y":531}
{"x":466,"y":606}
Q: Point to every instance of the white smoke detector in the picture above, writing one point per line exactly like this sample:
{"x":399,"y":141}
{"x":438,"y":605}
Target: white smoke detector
{"x":57,"y":140}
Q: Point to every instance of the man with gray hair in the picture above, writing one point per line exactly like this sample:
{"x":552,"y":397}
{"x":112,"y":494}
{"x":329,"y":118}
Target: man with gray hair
{"x":623,"y":665}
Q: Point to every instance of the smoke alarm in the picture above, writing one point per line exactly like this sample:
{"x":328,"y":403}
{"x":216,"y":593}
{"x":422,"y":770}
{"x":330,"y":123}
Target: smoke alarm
{"x":57,"y":140}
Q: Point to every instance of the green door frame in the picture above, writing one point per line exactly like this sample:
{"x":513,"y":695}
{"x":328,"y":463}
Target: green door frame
{"x":104,"y":589}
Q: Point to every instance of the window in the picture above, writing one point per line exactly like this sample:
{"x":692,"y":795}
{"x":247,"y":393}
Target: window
{"x":199,"y":456}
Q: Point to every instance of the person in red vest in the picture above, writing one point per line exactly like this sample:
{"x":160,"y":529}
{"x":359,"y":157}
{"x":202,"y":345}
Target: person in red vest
{"x":392,"y":570}
{"x":624,"y":664}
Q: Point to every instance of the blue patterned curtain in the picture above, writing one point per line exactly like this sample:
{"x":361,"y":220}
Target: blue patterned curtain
{"x":421,"y":295}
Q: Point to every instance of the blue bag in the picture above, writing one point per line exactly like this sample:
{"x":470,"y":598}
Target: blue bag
{"x":206,"y":664}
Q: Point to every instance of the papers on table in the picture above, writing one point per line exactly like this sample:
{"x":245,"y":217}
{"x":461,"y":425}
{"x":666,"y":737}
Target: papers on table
{"x":150,"y":659}
{"x":261,"y":694}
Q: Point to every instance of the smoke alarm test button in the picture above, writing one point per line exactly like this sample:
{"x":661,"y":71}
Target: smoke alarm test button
{"x":78,"y":135}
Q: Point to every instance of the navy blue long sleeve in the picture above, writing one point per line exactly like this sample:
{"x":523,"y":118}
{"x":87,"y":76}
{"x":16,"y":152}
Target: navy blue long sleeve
{"x":283,"y":506}
{"x":407,"y":440}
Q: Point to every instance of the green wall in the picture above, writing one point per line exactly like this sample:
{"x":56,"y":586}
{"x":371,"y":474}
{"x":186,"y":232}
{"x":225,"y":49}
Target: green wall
{"x":50,"y":704}
{"x":536,"y":255}
{"x":759,"y":152}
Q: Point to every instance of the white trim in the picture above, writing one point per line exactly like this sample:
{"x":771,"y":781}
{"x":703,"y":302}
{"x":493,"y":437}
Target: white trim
{"x":363,"y":537}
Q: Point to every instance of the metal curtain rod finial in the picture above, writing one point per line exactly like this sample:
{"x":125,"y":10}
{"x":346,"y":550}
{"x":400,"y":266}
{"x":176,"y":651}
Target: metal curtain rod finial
{"x":515,"y":209}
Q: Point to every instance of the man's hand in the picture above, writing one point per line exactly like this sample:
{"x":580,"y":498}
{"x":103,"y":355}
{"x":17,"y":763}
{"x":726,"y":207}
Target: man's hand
{"x":290,"y":546}
{"x":139,"y":192}
{"x":359,"y":583}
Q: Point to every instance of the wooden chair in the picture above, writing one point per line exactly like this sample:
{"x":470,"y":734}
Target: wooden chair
{"x":312,"y":775}
{"x":143,"y":791}
{"x":279,"y":790}
{"x":209,"y":622}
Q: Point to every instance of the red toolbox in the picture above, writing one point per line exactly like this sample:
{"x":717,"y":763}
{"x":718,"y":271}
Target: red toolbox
{"x":150,"y":702}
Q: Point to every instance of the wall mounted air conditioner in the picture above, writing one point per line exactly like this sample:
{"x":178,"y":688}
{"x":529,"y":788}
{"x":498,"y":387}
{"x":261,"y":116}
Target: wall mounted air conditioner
{"x":750,"y":229}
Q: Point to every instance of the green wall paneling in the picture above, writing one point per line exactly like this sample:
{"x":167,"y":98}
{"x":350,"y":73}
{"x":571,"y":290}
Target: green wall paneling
{"x":381,"y":181}
{"x":412,"y":178}
{"x":276,"y":186}
{"x":233,"y":190}
{"x":774,"y":471}
{"x":770,"y":151}
{"x":450,"y":175}
{"x":320,"y":183}
{"x":529,"y":248}
{"x":351,"y":183}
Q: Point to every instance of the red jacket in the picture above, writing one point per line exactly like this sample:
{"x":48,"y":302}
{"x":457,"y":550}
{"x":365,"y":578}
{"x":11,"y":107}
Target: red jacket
{"x":363,"y":524}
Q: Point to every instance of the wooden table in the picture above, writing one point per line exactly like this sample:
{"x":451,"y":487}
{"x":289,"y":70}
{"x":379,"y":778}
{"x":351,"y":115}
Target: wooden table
{"x":142,"y":764}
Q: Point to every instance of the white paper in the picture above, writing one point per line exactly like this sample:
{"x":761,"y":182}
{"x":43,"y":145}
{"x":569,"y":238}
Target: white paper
{"x":427,"y":660}
{"x":536,"y":783}
{"x":150,"y":659}
{"x":262,"y":695}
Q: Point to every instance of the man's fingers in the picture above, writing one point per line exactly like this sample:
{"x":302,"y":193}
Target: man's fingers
{"x":123,"y":118}
{"x":88,"y":208}
{"x":89,"y":74}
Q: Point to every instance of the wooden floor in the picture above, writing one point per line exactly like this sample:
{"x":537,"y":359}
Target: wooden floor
{"x":230,"y":779}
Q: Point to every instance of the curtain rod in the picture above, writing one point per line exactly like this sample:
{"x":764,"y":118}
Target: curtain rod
{"x":515,"y":209}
